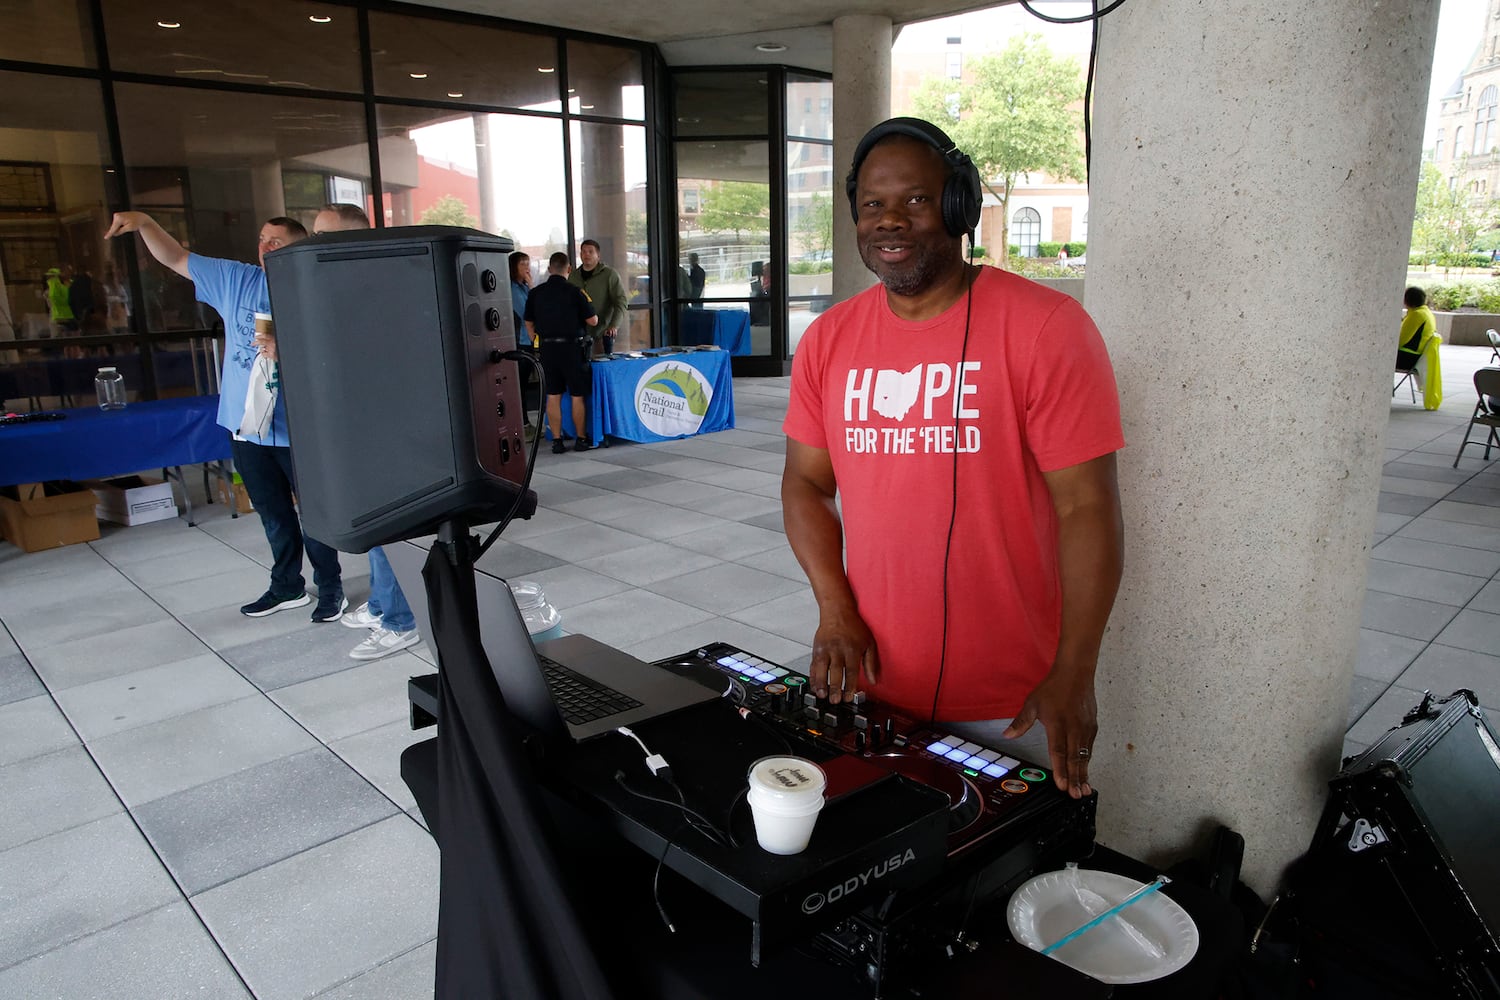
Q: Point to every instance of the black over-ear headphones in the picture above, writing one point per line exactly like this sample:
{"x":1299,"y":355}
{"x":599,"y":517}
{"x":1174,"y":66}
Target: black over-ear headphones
{"x":961,"y":194}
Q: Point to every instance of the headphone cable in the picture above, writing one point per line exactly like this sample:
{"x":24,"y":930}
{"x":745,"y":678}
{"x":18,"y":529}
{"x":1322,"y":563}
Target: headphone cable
{"x":958,"y":381}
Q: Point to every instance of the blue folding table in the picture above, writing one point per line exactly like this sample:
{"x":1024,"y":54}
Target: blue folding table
{"x":90,"y":443}
{"x":666,"y":394}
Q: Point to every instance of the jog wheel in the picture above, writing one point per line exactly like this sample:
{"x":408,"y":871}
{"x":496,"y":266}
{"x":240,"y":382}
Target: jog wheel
{"x":964,"y":800}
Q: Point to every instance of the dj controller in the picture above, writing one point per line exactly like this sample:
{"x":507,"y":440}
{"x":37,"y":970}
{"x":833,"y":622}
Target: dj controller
{"x":1006,"y":818}
{"x":986,"y":790}
{"x":920,"y":829}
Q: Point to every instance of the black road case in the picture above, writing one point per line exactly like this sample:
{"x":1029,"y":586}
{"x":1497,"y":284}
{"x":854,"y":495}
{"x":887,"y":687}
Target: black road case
{"x":1400,"y":893}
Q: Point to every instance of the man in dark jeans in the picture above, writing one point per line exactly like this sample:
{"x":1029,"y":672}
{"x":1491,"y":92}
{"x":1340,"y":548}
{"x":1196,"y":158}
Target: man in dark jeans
{"x":238,"y":291}
{"x":556,"y":315}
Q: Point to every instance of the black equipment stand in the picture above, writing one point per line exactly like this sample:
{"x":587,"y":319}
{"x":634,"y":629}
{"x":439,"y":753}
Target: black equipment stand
{"x":506,"y":927}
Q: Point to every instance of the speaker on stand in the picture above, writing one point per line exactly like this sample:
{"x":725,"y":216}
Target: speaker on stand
{"x":403,"y":411}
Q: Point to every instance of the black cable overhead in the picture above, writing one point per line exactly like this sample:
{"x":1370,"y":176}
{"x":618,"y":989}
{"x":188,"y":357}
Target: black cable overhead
{"x":1088,"y":85}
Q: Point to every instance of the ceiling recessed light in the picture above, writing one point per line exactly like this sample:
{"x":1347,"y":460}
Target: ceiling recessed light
{"x":319,"y":18}
{"x":545,"y":69}
{"x":586,"y":107}
{"x":418,"y":76}
{"x":689,"y":121}
{"x":572,"y":90}
{"x":169,"y":24}
{"x":455,"y":93}
{"x":770,"y":47}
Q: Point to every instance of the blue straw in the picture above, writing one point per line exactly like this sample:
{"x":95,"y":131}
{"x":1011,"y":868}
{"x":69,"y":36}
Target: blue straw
{"x":1130,"y":900}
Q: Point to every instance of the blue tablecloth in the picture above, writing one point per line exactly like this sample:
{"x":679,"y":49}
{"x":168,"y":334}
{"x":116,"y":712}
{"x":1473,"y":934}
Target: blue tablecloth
{"x":92,"y":443}
{"x":658,"y":398}
{"x":726,"y":328}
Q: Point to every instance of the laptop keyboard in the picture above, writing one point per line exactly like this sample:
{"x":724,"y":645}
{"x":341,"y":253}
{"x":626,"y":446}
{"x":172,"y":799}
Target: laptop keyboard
{"x":581,"y":699}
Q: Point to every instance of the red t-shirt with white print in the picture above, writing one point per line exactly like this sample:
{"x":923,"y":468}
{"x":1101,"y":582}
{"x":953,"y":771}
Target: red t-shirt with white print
{"x":877,"y":392}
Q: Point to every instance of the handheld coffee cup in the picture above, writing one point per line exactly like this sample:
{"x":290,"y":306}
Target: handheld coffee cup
{"x":786,"y":795}
{"x":265,"y":330}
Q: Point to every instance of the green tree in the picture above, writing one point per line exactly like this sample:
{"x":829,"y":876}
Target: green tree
{"x":815,"y":227}
{"x":1013,"y":115}
{"x":635,"y":230}
{"x":1448,"y":216}
{"x":449,"y":210}
{"x":736,"y":207}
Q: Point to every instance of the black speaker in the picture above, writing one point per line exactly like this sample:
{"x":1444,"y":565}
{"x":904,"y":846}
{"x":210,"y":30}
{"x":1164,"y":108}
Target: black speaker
{"x":1400,"y":892}
{"x":401,"y":414}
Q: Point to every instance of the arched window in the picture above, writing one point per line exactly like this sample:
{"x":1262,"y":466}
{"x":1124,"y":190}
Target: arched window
{"x":1437,"y":147}
{"x":1458,"y":141}
{"x":1484,"y":120}
{"x":1026,"y":230}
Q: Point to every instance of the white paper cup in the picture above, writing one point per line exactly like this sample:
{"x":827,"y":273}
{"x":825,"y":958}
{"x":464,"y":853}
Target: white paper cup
{"x":786,"y":795}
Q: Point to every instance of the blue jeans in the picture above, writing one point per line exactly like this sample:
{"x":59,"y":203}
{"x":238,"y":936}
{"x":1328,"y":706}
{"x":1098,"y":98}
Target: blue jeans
{"x":386,"y":599}
{"x":267,"y":472}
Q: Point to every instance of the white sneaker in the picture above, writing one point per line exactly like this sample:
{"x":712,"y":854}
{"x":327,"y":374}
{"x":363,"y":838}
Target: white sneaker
{"x":384,"y":642}
{"x":361,"y":617}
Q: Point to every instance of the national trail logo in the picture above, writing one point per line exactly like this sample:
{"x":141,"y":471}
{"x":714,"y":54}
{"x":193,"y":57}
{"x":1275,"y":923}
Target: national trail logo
{"x":672,"y":399}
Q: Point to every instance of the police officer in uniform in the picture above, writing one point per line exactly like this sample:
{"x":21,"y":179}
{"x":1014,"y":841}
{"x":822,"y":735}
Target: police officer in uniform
{"x":556,"y":314}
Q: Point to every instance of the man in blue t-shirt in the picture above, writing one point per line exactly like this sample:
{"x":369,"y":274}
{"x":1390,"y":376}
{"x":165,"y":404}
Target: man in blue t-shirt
{"x":237,"y":291}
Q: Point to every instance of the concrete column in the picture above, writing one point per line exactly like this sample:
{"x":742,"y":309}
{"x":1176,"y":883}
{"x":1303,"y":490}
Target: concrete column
{"x":1255,"y":167}
{"x":861,"y":97}
{"x":267,"y":192}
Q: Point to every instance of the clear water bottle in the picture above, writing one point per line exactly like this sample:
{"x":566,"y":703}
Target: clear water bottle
{"x":109,"y":386}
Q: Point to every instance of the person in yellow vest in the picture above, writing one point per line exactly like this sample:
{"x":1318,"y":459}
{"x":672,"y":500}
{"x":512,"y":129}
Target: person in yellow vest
{"x":1417,"y":347}
{"x":56,"y":294}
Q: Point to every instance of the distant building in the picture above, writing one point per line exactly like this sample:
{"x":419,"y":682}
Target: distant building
{"x":1466,"y":146}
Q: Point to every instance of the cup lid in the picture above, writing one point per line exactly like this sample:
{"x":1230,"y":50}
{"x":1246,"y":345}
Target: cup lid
{"x":106,"y":369}
{"x":260,"y":315}
{"x":791,"y":778}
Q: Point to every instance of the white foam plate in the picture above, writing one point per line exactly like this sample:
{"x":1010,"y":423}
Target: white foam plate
{"x":1047,"y":908}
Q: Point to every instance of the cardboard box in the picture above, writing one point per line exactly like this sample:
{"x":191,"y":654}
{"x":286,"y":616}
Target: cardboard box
{"x":237,"y":498}
{"x":39,"y":516}
{"x":133,"y":500}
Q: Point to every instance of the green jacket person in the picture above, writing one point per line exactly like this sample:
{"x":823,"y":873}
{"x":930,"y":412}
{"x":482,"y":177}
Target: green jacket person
{"x":602,"y":284}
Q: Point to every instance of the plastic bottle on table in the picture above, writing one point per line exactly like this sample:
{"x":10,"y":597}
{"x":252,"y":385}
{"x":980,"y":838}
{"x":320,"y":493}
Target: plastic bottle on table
{"x":109,"y":386}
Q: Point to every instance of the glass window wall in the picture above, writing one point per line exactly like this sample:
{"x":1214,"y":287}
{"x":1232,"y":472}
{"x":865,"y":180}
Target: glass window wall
{"x":295,"y":44}
{"x":726,"y":243}
{"x":261,"y":110}
{"x":810,"y":203}
{"x":211,"y":166}
{"x":56,"y":191}
{"x":47,"y":31}
{"x":729,"y":103}
{"x":494,"y":172}
{"x":610,"y":206}
{"x":605,"y":80}
{"x":431,"y":60}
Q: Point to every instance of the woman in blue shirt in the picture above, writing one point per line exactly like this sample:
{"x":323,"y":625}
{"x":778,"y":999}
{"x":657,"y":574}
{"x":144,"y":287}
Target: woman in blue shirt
{"x":520,"y":288}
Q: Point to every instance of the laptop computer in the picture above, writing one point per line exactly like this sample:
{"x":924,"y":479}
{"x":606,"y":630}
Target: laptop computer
{"x":574,"y":687}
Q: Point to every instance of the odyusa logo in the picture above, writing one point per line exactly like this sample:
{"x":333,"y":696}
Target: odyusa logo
{"x":672,"y":399}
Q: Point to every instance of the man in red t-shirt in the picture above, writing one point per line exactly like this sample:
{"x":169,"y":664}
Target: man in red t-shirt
{"x":966,"y":419}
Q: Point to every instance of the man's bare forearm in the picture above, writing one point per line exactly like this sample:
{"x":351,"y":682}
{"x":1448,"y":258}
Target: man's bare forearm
{"x":816,"y":535}
{"x":1090,"y":556}
{"x":158,"y":242}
